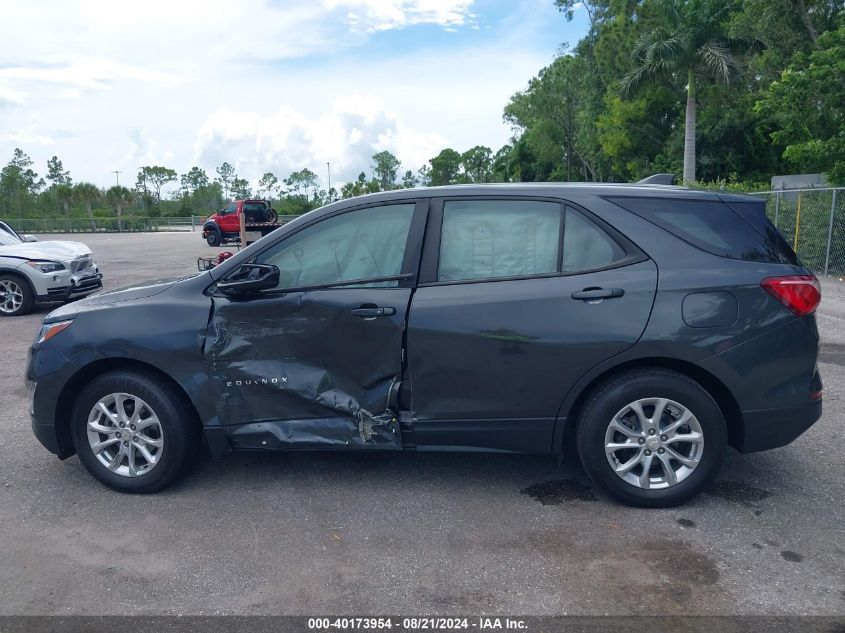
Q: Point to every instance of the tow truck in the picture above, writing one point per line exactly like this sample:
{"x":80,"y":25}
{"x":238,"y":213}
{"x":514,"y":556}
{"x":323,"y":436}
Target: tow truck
{"x":225,"y":226}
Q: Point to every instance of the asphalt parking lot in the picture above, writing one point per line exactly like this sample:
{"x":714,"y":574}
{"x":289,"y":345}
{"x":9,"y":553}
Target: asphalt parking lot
{"x":366,"y":533}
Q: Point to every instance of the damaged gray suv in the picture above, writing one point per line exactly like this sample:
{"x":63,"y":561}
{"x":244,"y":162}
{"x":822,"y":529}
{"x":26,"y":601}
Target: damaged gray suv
{"x":649,"y":326}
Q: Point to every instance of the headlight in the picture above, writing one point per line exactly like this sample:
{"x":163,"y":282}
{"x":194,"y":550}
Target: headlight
{"x":49,"y":330}
{"x":46,"y":267}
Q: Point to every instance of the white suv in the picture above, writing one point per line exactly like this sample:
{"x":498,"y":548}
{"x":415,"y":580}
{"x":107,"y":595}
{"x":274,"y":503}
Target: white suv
{"x":43,"y":272}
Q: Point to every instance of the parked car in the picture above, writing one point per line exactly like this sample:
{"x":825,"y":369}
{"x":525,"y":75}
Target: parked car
{"x":43,"y":272}
{"x":650,"y":326}
{"x":225,"y":225}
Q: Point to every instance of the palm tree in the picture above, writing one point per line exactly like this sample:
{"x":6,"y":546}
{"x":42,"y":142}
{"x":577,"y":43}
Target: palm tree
{"x":119,"y":198}
{"x":690,"y":42}
{"x":87,"y":194}
{"x":64,"y":196}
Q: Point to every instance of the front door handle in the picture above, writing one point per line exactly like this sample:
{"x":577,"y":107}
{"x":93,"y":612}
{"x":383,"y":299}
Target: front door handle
{"x":597,"y":294}
{"x":372,"y":312}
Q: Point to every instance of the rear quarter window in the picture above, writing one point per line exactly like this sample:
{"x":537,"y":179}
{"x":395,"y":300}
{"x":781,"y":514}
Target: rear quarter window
{"x":713,"y":226}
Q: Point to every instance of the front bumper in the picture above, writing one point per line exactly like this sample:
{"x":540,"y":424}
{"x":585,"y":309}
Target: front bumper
{"x":772,"y":428}
{"x":81,"y":285}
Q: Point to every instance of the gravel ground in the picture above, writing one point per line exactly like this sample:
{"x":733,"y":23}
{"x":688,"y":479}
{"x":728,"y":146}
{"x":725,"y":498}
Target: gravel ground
{"x":411,"y":533}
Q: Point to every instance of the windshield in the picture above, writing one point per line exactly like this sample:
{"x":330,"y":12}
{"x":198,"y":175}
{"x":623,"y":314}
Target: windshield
{"x":7,"y":235}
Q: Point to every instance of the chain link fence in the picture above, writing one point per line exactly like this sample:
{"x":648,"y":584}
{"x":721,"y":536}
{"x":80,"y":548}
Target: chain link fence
{"x":813,"y":222}
{"x":126,"y":223}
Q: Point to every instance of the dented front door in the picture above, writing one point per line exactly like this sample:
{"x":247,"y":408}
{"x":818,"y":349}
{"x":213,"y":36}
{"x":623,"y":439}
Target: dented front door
{"x":317,"y":363}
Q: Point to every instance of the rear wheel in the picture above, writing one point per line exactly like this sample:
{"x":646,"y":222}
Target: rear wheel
{"x":271,"y":215}
{"x":133,"y":433}
{"x":15,"y":296}
{"x":651,"y":437}
{"x":214,"y":238}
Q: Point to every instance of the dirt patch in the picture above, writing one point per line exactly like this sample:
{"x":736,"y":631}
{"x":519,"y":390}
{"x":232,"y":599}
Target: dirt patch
{"x":737,"y":492}
{"x":551,"y":493}
{"x":792,"y":557}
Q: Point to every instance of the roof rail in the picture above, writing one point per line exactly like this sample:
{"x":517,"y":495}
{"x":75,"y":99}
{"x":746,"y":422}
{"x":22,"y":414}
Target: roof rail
{"x":658,"y":179}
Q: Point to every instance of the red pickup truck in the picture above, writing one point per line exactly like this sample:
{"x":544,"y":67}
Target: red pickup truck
{"x":225,"y":225}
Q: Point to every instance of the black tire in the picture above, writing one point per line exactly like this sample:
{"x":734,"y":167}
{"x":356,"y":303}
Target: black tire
{"x":611,"y":397}
{"x":16,"y":284}
{"x":179,"y":428}
{"x":214,"y":238}
{"x":272,"y":216}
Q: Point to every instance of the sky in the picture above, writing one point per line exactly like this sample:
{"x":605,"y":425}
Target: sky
{"x":265,"y":85}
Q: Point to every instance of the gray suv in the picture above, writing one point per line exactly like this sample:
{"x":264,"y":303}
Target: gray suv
{"x":650,"y":326}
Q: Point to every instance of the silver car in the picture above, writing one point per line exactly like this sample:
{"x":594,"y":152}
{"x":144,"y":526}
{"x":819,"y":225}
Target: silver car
{"x":43,"y":272}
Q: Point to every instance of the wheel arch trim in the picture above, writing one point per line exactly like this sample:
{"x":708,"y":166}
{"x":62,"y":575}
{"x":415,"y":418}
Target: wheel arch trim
{"x":70,"y":390}
{"x":567,"y":418}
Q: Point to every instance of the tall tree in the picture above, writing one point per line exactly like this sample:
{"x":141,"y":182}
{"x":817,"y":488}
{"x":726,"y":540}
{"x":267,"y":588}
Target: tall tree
{"x":56,"y":173}
{"x":119,"y":198}
{"x":63,"y":193}
{"x":807,"y":107}
{"x":225,"y":176}
{"x":477,"y":163}
{"x":193,"y":180}
{"x":19,"y":184}
{"x":689,"y":40}
{"x":154,"y":178}
{"x":409,"y":180}
{"x":241,"y":189}
{"x":268,"y":184}
{"x":302,"y":183}
{"x":445,"y":168}
{"x":87,"y":194}
{"x":385,"y":168}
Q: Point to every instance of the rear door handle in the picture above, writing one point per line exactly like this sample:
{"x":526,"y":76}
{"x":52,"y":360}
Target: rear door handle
{"x":369,"y":313}
{"x":597,"y":294}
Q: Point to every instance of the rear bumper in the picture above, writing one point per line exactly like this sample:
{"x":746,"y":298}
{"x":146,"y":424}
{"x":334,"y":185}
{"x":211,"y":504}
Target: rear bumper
{"x":771,"y":428}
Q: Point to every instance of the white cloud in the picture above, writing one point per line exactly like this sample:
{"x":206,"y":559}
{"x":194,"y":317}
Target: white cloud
{"x":266,"y":84}
{"x":346,"y":135}
{"x":378,"y":15}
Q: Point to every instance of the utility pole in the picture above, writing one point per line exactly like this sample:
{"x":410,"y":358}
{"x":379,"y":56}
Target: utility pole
{"x":329,"y":190}
{"x":117,"y":173}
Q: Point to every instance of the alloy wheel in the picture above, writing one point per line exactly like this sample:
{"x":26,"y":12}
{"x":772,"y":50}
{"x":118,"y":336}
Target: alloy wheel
{"x":125,"y":434}
{"x":11,"y":296}
{"x":654,"y":443}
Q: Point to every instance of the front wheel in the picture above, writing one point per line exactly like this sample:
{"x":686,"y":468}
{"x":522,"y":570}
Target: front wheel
{"x":214,"y":237}
{"x":271,"y":215}
{"x":133,"y":432}
{"x":15,"y":296}
{"x":651,"y":437}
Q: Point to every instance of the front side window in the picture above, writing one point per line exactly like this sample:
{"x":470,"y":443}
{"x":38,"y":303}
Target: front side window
{"x":229,"y":209}
{"x":357,"y":245}
{"x":486,"y":239}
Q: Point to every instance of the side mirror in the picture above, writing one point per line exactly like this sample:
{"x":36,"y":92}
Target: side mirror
{"x":250,"y":278}
{"x":26,"y":237}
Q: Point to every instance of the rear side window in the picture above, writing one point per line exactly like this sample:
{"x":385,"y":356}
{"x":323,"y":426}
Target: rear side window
{"x":755,"y":214}
{"x":485,"y":239}
{"x":586,"y":246}
{"x":493,"y":239}
{"x":714,"y":227}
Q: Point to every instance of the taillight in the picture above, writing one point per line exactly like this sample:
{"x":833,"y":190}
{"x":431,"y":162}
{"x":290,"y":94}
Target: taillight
{"x":800,"y":293}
